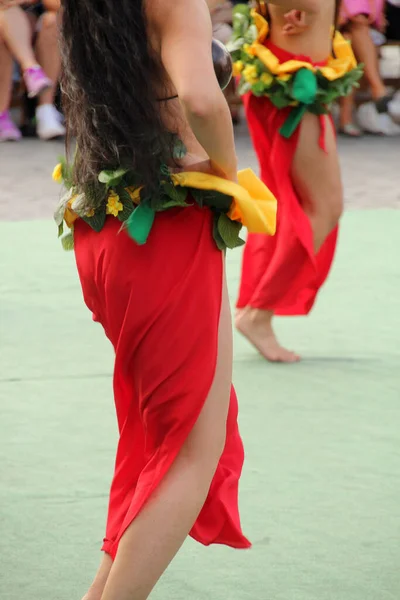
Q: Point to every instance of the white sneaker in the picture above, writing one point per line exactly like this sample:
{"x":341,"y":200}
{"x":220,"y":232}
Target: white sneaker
{"x":394,"y":108}
{"x":48,"y":126}
{"x":373,"y":122}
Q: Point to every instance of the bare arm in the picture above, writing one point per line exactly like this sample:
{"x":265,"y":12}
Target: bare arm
{"x":186,"y":34}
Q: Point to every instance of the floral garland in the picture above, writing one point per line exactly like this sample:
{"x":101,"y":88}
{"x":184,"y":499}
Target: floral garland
{"x":294,"y":83}
{"x":118,"y":193}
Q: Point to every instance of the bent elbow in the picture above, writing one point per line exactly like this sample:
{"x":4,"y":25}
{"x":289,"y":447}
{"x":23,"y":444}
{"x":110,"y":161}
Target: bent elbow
{"x":200,"y":106}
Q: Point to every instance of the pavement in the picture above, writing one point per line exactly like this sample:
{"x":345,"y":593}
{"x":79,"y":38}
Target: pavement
{"x":370,"y":172}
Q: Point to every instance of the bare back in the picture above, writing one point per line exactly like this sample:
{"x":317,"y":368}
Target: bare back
{"x":315,"y":41}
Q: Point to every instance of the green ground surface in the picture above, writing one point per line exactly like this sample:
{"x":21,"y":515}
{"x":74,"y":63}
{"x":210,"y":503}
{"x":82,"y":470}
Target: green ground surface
{"x":320,"y":495}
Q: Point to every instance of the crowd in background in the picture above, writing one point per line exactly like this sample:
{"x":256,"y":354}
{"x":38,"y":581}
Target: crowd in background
{"x":30,"y":64}
{"x":29,"y":49}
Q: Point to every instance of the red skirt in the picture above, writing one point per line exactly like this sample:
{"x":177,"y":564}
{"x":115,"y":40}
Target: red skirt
{"x":159,"y":305}
{"x":281,"y":273}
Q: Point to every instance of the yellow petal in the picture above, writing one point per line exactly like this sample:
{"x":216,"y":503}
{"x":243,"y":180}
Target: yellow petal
{"x":343,"y":50}
{"x":262,"y":26}
{"x":336,"y":68}
{"x":292,"y":66}
{"x":70,"y":216}
{"x":256,"y":208}
{"x":57,"y":173}
{"x":267,"y":57}
{"x":253,"y":204}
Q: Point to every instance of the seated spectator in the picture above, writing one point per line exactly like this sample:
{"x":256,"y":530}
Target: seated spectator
{"x":40,"y":67}
{"x":358,"y":19}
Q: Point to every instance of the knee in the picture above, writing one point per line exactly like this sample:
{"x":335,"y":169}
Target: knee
{"x":359,"y":23}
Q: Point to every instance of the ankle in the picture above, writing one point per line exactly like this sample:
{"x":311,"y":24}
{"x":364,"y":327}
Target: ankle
{"x":378,"y":91}
{"x":30,"y":65}
{"x":260,"y":317}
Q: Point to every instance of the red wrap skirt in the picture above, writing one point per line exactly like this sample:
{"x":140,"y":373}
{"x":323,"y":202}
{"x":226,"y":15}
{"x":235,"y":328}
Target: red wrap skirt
{"x":281,"y":273}
{"x":159,"y":305}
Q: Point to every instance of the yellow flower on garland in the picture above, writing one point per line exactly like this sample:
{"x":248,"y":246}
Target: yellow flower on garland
{"x":57,"y":173}
{"x":267,"y":79}
{"x":114,"y":206}
{"x":134,"y":193}
{"x":238,"y":67}
{"x":284,"y":76}
{"x":90,"y":213}
{"x":248,"y":49}
{"x":250,"y":73}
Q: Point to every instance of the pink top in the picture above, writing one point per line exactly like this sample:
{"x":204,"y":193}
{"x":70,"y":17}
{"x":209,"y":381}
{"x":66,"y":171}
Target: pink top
{"x":352,"y":8}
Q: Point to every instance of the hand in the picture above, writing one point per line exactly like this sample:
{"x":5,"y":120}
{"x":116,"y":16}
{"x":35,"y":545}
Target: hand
{"x":296,"y":22}
{"x":204,"y":166}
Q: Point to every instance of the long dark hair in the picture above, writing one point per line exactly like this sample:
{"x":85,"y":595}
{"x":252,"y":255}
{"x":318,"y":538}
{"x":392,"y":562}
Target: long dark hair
{"x":108,"y":80}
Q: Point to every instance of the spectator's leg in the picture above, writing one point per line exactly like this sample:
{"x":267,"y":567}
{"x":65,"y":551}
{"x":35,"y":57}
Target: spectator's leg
{"x":49,"y":120}
{"x":15,"y":30}
{"x":8,"y":131}
{"x":346,"y":122}
{"x":6,"y":70}
{"x":48,"y":54}
{"x":365,"y":51}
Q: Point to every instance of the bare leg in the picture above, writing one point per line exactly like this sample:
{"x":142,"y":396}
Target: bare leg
{"x":6,"y":66}
{"x":48,"y":55}
{"x":155,"y":536}
{"x":15,"y":30}
{"x":316,"y":178}
{"x":365,"y":51}
{"x":96,"y":589}
{"x":256,"y":326}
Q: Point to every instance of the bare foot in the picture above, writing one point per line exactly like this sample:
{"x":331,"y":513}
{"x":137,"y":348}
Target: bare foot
{"x":256,"y":326}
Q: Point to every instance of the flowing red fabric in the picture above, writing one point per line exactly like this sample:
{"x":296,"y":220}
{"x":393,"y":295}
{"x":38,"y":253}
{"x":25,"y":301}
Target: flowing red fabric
{"x":281,"y":273}
{"x":160,"y":305}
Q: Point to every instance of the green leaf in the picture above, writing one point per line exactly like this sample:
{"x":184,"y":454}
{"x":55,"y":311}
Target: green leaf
{"x":279,"y":99}
{"x":60,"y":229}
{"x":177,"y":194}
{"x":68,"y":242}
{"x":217,"y":200}
{"x":216,"y":234}
{"x":97,"y":221}
{"x":258,"y":89}
{"x":112,"y":178}
{"x":198,"y":196}
{"x":229,"y":231}
{"x":140,"y":223}
{"x":127,"y":203}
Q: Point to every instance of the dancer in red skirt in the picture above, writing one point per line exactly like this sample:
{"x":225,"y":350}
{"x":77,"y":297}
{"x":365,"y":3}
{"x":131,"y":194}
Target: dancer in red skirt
{"x":290,"y":76}
{"x":152,"y":200}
